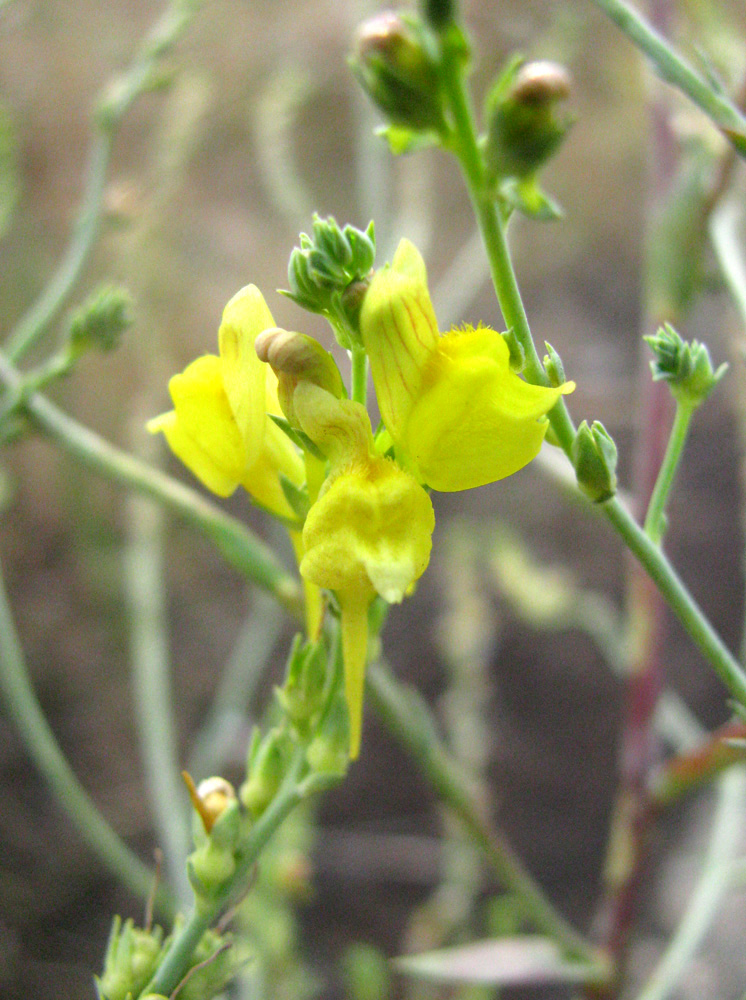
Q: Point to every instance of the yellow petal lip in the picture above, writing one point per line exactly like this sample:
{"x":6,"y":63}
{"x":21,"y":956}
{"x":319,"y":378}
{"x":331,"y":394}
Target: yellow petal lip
{"x":219,"y":427}
{"x":458,"y":415}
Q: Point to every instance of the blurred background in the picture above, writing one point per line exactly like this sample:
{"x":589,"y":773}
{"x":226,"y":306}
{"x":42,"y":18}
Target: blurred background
{"x":213,"y":177}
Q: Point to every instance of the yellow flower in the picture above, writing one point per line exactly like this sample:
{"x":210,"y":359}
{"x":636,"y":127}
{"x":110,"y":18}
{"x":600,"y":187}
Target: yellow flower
{"x":457,"y":413}
{"x":368,"y":533}
{"x":219,"y":426}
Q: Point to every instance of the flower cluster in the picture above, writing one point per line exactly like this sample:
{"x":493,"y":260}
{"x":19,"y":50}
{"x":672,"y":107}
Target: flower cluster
{"x":455,"y":416}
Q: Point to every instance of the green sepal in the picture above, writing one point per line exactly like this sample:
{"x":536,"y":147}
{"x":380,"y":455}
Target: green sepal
{"x":526,"y":196}
{"x":517,"y":352}
{"x":403,"y":140}
{"x":297,"y":436}
{"x":296,"y":496}
{"x":553,"y":366}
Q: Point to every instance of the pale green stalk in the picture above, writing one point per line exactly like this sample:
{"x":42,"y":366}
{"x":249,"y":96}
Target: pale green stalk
{"x":704,"y":903}
{"x":240,"y":547}
{"x":24,"y":709}
{"x":674,"y":69}
{"x":655,"y":518}
{"x":151,"y":669}
{"x":113,"y":105}
{"x":359,"y":360}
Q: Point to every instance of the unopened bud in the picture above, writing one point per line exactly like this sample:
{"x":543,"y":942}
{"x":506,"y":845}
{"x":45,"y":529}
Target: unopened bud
{"x":594,"y":456}
{"x":394,"y":61}
{"x":523,"y":127}
{"x":210,"y":798}
{"x":101,"y":320}
{"x":685,"y":365}
{"x":266,"y":769}
{"x":553,"y":366}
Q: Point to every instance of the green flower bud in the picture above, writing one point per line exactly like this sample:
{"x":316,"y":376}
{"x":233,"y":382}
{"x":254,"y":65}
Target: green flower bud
{"x":266,"y":769}
{"x":301,"y":696}
{"x":395,"y":60}
{"x":329,"y":272}
{"x":132,"y":957}
{"x":523,"y":129}
{"x":210,"y":867}
{"x":685,"y":365}
{"x":101,"y":320}
{"x":214,"y":962}
{"x":553,"y":366}
{"x":329,"y":751}
{"x":594,"y":455}
{"x":438,"y":13}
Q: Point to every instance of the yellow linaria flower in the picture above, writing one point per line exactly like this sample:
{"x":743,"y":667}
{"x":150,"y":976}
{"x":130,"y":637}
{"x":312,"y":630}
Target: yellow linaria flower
{"x":368,"y":533}
{"x":457,"y":413}
{"x":219,"y":426}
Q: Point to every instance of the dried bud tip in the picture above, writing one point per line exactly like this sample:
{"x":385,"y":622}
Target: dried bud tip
{"x":537,"y":82}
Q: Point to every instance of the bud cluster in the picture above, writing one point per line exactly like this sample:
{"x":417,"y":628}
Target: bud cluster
{"x":328,"y":267}
{"x":685,"y":365}
{"x":101,"y":320}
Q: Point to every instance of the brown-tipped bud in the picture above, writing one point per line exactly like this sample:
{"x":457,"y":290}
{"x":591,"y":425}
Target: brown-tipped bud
{"x":541,"y":81}
{"x":294,"y":358}
{"x":524,"y":129}
{"x":396,"y":66}
{"x":210,"y":798}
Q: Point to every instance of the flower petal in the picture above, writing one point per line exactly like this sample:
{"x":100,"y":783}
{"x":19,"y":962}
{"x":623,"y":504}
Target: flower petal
{"x":201,"y":430}
{"x":244,"y":376}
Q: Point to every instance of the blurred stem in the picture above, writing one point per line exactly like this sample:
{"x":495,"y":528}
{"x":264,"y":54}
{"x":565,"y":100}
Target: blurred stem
{"x":674,"y":69}
{"x":152,"y":686}
{"x":680,"y":600}
{"x":408,"y":718}
{"x":240,"y":547}
{"x":464,"y":144}
{"x":655,"y":519}
{"x":24,"y":709}
{"x":297,"y":786}
{"x":359,"y":360}
{"x":689,"y":771}
{"x":715,"y":877}
{"x":114,"y":102}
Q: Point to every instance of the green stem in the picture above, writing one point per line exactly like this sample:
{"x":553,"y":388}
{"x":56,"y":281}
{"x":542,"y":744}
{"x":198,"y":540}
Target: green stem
{"x":359,"y":360}
{"x":42,"y":313}
{"x":151,"y":679}
{"x":178,"y":959}
{"x":237,"y":543}
{"x":674,"y":69}
{"x":24,"y":709}
{"x":465,"y":145}
{"x":115,"y":102}
{"x":655,"y":519}
{"x":409,"y":719}
{"x":680,"y":600}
